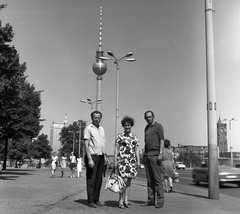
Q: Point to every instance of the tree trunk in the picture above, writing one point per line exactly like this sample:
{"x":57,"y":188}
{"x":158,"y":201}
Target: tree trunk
{"x":39,"y":164}
{"x":5,"y":154}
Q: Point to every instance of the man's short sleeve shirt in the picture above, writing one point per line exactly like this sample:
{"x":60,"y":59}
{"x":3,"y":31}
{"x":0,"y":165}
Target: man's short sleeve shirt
{"x":96,"y":137}
{"x":153,"y":135}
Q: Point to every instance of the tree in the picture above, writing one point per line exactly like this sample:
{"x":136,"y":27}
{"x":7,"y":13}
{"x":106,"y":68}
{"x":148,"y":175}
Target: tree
{"x":18,"y":150}
{"x":40,"y":148}
{"x":66,"y":138}
{"x":19,"y":102}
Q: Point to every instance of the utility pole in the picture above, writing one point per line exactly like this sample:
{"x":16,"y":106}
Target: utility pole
{"x":213,"y":184}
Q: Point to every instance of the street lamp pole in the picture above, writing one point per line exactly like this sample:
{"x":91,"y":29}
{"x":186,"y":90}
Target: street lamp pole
{"x":117,"y":62}
{"x":213,"y":186}
{"x":89,"y":101}
{"x":79,"y":123}
{"x":230,"y":138}
{"x":73,"y":139}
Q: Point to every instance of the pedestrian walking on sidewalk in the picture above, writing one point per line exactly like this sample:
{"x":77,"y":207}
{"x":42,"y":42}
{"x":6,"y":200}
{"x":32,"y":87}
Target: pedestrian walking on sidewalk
{"x":73,"y":165}
{"x":126,"y":158}
{"x":79,"y":166}
{"x":154,"y":140}
{"x":167,"y":166}
{"x":63,"y":164}
{"x":94,"y":139}
{"x":54,"y":164}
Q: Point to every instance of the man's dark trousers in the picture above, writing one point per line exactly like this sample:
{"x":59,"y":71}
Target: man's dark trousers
{"x":154,"y":180}
{"x":94,"y":178}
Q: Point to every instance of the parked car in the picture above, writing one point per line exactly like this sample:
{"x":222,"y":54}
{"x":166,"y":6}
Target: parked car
{"x":180,"y":165}
{"x":227,"y":173}
{"x":141,"y":166}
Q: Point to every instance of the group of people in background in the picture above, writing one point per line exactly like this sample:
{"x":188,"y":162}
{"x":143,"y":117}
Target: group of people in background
{"x":158,"y":160}
{"x":64,"y":162}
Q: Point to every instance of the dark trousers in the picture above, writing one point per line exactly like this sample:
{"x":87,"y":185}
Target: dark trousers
{"x":94,"y":178}
{"x":154,"y":180}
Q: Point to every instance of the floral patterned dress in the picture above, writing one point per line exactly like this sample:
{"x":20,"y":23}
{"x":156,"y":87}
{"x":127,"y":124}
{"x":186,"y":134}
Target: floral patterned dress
{"x":126,"y":157}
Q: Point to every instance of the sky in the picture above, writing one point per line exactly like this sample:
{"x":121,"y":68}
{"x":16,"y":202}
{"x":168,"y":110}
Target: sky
{"x":58,"y":40}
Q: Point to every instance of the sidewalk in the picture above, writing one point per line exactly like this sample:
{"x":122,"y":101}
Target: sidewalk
{"x":26,"y":191}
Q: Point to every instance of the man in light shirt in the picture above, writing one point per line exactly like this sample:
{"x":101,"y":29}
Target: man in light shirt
{"x":94,"y":138}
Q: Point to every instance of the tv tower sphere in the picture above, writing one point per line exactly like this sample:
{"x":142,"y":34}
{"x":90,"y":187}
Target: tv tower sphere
{"x":99,"y":67}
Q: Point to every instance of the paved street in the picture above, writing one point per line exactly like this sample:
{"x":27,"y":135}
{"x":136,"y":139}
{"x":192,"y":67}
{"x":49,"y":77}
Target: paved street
{"x":32,"y":191}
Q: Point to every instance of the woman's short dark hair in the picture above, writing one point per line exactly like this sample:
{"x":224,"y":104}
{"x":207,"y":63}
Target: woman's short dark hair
{"x":96,"y":112}
{"x":167,"y":143}
{"x":127,"y":119}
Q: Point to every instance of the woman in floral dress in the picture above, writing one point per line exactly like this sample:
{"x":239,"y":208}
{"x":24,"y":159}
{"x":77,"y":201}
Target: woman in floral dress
{"x":126,"y":158}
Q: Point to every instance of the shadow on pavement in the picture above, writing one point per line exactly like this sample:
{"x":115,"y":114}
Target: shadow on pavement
{"x":82,"y":201}
{"x":13,"y":174}
{"x":111,"y":203}
{"x":189,"y":194}
{"x":137,"y":201}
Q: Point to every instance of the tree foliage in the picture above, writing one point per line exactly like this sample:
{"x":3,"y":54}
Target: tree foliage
{"x":19,"y":102}
{"x":66,"y":138}
{"x":40,"y":148}
{"x":190,"y":158}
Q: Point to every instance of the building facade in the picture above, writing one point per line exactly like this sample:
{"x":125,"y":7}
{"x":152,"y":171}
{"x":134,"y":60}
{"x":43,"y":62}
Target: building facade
{"x":222,"y":136}
{"x":56,"y":129}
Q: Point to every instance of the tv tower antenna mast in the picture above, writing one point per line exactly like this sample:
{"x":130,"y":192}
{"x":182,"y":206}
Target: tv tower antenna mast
{"x":99,"y":67}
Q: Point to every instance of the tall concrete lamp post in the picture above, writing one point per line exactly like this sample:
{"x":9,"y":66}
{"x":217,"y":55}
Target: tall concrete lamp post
{"x":213,"y":186}
{"x":230,"y":140}
{"x":117,"y":62}
{"x":73,"y":139}
{"x":79,"y":157}
{"x":79,"y":124}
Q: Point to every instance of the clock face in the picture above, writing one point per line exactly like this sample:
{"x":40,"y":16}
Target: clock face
{"x":221,"y":130}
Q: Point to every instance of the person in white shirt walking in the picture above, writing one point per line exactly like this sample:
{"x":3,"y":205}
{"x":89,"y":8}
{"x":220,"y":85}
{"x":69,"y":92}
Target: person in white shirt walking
{"x":73,"y":164}
{"x":54,"y":164}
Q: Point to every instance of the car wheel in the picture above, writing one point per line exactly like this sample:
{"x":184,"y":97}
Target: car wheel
{"x":195,"y":181}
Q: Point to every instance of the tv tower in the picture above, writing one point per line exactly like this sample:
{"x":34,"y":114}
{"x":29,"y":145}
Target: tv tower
{"x":99,"y":67}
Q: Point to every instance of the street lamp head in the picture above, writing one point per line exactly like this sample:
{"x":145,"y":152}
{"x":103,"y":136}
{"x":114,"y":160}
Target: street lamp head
{"x":129,"y":54}
{"x":110,"y":53}
{"x":104,"y":58}
{"x":130,"y":59}
{"x":89,"y":100}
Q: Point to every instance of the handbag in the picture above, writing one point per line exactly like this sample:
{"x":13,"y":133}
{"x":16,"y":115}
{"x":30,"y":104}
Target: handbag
{"x":175,"y":177}
{"x":115,"y":183}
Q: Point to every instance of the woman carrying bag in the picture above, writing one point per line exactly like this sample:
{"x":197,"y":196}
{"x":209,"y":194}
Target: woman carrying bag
{"x":126,"y":158}
{"x":167,"y":166}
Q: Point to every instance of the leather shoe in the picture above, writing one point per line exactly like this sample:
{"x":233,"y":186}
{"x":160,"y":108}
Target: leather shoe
{"x":159,"y":206}
{"x":148,"y":203}
{"x":98,"y":203}
{"x":92,"y":205}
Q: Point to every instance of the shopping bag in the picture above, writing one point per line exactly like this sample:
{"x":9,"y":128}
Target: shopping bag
{"x":175,"y":177}
{"x":115,"y":183}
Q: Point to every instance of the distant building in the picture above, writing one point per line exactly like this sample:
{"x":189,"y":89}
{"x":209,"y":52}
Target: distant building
{"x":54,"y":134}
{"x":222,"y":137}
{"x":236,"y":155}
{"x":200,"y":150}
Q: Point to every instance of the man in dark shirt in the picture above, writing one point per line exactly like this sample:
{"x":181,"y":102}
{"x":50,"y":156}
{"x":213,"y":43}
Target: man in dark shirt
{"x":154,"y":141}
